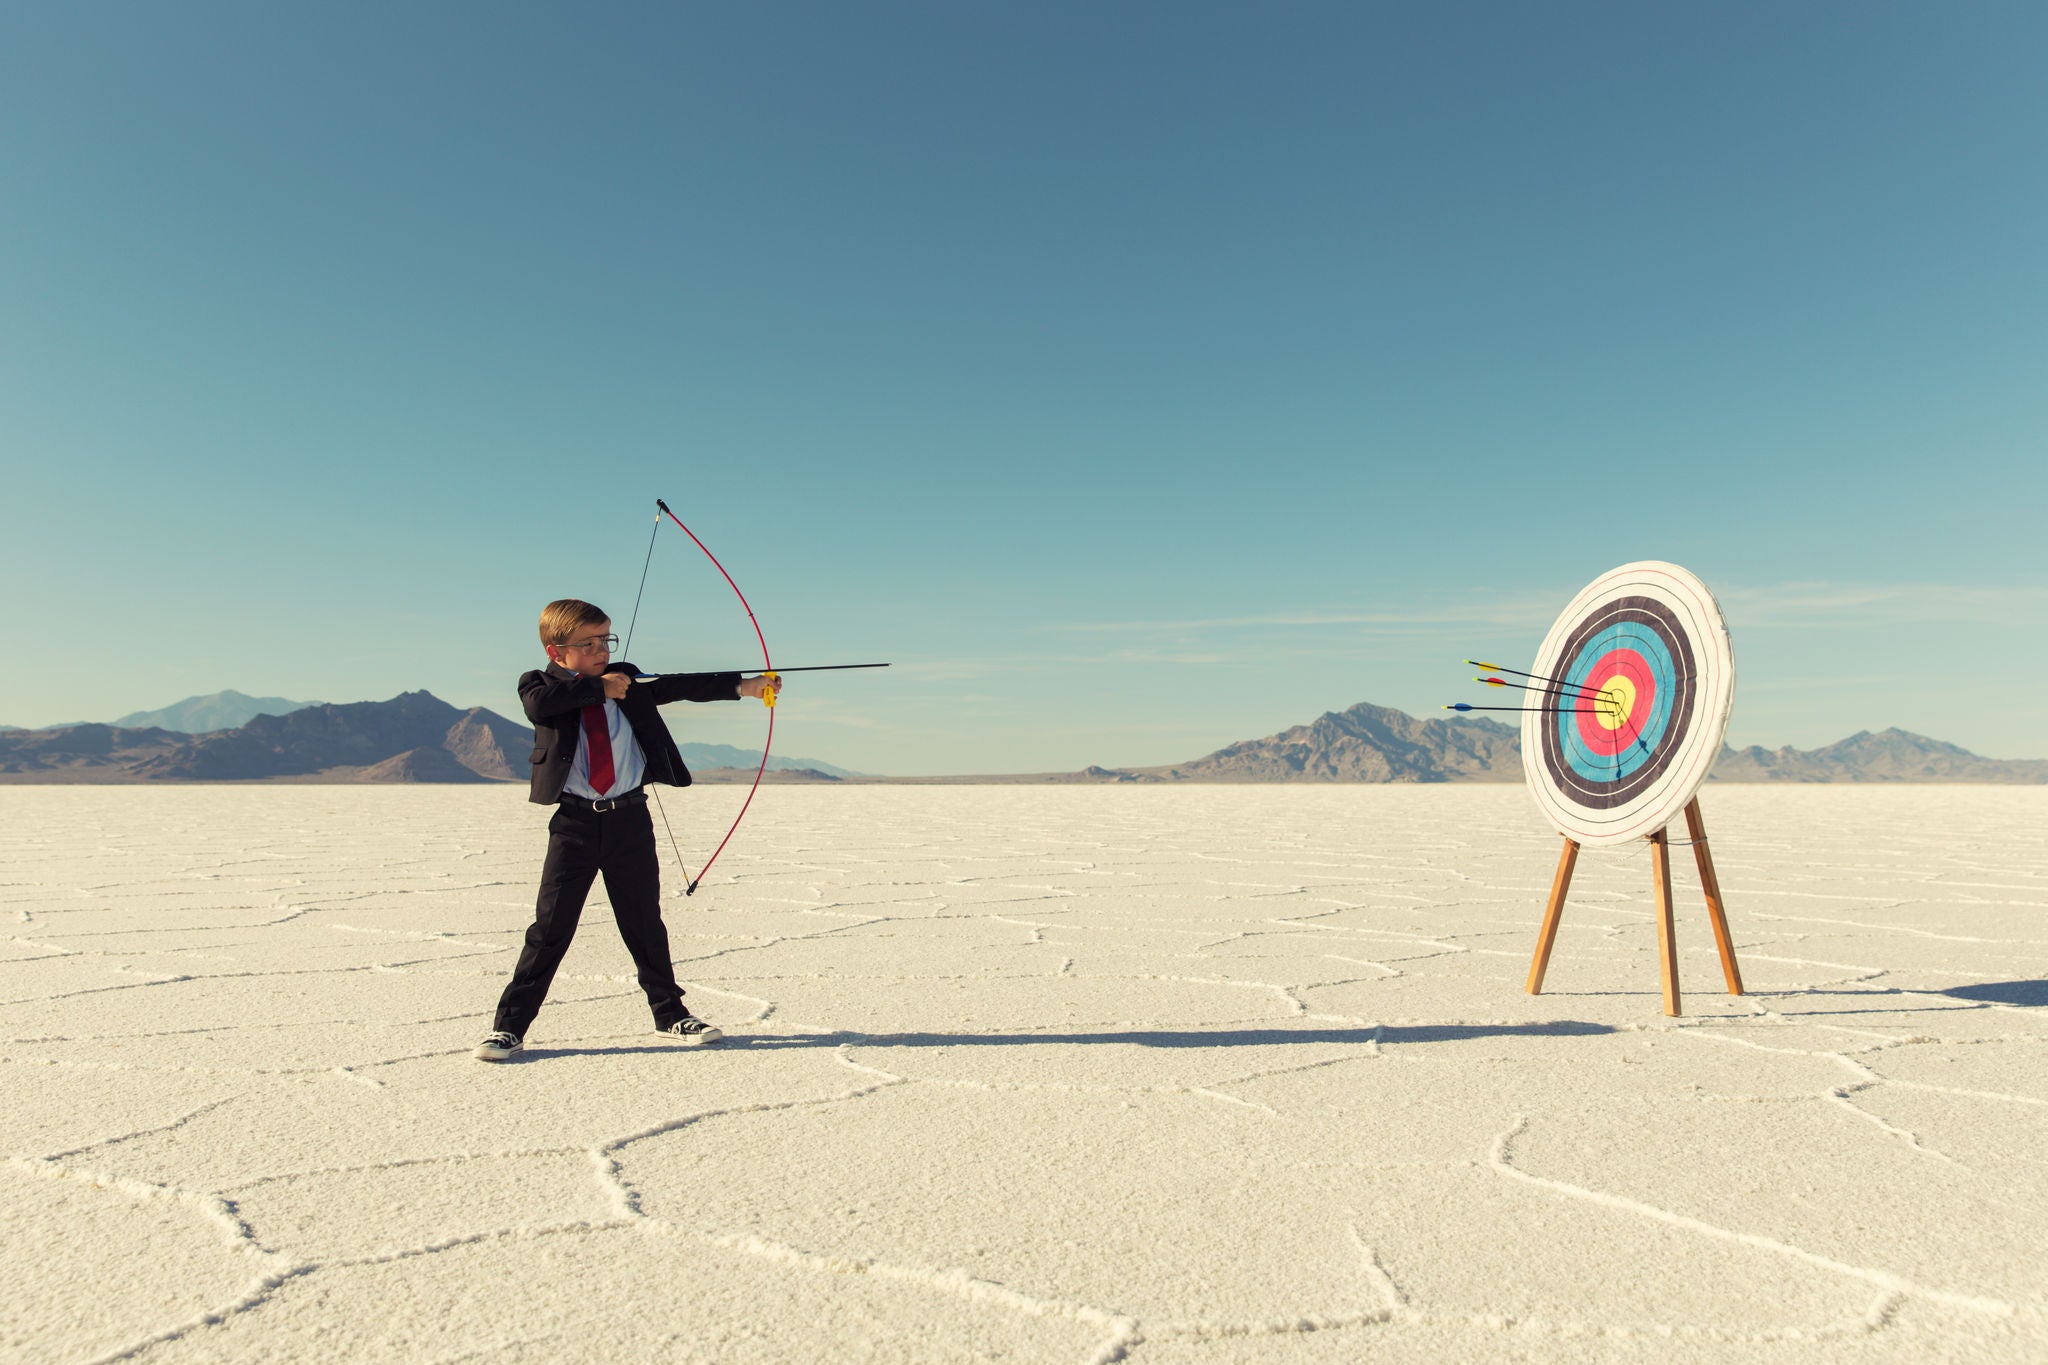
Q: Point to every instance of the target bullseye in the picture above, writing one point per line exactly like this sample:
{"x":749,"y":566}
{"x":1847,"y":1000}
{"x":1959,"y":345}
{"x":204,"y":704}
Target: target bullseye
{"x":1617,"y":701}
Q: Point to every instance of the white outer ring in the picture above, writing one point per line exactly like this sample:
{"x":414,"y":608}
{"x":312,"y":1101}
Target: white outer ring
{"x":1658,"y":804}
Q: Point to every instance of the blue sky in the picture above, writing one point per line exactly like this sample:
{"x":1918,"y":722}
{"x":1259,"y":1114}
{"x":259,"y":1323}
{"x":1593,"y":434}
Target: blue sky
{"x":1138,"y":377}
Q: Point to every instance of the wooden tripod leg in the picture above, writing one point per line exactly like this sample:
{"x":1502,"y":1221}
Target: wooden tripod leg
{"x":1667,"y":938}
{"x":1552,"y":913}
{"x":1711,"y":884}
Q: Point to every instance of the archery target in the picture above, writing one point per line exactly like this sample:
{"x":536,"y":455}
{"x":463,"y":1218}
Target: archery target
{"x":1639,"y":678}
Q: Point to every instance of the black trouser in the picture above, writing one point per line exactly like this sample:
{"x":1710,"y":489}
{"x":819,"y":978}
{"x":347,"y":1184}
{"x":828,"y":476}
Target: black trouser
{"x":582,"y":843}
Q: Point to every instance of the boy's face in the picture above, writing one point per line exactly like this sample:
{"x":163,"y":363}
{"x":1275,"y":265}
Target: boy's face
{"x":588,"y":650}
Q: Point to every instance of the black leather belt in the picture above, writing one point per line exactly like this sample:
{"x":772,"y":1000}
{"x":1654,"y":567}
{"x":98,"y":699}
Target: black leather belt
{"x":635,"y":797}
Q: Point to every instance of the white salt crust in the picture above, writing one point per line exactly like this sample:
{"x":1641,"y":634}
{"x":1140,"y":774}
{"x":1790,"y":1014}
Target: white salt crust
{"x":1090,"y":1074}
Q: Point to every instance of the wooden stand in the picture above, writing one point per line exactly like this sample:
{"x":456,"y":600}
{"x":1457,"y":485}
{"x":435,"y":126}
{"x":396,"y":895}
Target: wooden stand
{"x":1660,"y":876}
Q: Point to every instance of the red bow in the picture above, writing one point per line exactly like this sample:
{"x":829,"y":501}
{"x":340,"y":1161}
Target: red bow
{"x":767,"y":695}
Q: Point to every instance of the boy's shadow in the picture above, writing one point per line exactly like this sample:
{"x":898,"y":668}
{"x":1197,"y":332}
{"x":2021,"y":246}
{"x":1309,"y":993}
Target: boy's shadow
{"x":1166,"y":1038}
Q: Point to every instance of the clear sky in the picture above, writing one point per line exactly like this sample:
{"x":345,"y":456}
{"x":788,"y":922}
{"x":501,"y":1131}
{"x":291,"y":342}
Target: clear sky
{"x":1137,"y":377}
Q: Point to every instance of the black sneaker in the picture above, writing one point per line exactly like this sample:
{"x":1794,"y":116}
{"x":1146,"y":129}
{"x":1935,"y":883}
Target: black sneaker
{"x":499,"y":1047}
{"x":691,"y":1029}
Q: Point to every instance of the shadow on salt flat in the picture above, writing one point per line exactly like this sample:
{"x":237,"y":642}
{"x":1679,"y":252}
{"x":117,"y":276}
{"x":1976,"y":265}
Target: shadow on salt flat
{"x":1971,"y":997}
{"x":1174,"y":1038}
{"x":2003,"y":992}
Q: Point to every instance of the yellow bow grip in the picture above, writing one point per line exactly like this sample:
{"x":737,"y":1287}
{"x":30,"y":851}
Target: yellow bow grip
{"x":768,"y":692}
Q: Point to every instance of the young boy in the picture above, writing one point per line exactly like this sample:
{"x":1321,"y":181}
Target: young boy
{"x":597,"y":739}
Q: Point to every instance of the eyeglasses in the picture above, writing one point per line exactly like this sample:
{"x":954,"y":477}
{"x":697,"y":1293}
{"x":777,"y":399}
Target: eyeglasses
{"x":607,"y":643}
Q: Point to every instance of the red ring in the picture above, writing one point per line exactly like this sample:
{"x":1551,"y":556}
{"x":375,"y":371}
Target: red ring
{"x":1630,"y":664}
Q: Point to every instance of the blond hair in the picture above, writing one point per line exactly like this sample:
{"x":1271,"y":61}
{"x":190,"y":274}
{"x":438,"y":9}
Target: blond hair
{"x":565,"y":616}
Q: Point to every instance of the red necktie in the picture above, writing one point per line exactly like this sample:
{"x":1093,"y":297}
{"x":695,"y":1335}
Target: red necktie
{"x":598,"y":740}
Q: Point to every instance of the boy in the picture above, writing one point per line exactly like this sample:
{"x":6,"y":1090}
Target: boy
{"x":597,"y":738}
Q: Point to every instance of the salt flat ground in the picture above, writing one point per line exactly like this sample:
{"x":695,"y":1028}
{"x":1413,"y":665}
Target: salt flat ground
{"x":1036,"y":1074}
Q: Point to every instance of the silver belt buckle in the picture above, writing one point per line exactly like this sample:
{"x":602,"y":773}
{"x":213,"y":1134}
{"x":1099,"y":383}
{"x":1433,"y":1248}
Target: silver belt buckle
{"x":601,"y":806}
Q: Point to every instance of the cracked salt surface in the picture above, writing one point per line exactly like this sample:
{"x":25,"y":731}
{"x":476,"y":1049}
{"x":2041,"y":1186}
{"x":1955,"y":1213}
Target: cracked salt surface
{"x":1069,"y":1074}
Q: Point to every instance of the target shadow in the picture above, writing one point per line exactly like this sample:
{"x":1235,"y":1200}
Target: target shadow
{"x":1905,"y":1000}
{"x":2027,"y":993}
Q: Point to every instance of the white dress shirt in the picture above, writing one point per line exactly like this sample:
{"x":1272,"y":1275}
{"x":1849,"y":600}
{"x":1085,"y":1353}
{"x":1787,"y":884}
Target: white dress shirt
{"x":629,"y":765}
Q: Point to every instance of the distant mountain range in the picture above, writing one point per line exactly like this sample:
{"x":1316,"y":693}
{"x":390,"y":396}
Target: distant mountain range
{"x":417,"y":737}
{"x":216,"y":711}
{"x":1368,"y":743}
{"x":1887,"y":756}
{"x":194,"y":715}
{"x":413,"y":737}
{"x":705,"y":759}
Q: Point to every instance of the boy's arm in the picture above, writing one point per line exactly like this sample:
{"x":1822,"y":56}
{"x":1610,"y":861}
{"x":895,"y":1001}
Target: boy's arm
{"x":693,"y":687}
{"x":543,"y":696}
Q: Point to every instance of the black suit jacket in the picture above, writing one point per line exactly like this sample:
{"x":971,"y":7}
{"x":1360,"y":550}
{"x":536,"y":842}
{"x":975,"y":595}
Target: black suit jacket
{"x":554,"y":698}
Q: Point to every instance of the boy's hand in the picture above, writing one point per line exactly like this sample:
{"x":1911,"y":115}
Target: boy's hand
{"x":754,"y":687}
{"x":615,"y":685}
